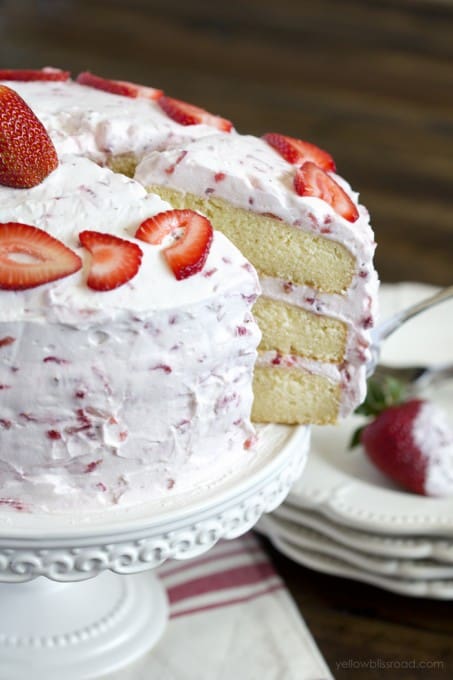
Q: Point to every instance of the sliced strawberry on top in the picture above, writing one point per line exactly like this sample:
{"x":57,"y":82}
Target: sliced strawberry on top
{"x":115,"y":261}
{"x":27,"y":154}
{"x":30,"y":257}
{"x":27,"y":74}
{"x":188,"y":114}
{"x":310,"y":180}
{"x":297,"y":151}
{"x":187,"y":255}
{"x":121,"y":87}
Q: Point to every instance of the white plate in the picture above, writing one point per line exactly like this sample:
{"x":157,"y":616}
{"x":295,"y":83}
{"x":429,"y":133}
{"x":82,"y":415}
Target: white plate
{"x":309,"y":539}
{"x":438,"y":589}
{"x":343,"y":484}
{"x":400,"y":547}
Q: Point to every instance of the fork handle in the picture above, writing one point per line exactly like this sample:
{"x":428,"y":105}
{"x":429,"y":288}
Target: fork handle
{"x":387,"y":327}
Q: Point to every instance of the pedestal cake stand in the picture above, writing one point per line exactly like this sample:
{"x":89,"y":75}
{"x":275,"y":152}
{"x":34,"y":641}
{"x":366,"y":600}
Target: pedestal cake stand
{"x":57,"y":621}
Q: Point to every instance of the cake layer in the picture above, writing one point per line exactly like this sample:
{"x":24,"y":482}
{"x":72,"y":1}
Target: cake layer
{"x":356,"y":306}
{"x":292,"y":330}
{"x":294,"y":395}
{"x":125,"y":163}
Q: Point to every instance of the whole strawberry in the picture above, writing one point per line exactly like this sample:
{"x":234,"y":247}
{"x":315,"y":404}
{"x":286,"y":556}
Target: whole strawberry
{"x":27,"y":154}
{"x":410,"y":442}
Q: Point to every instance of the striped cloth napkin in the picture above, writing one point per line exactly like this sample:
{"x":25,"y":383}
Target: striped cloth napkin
{"x":230,"y":617}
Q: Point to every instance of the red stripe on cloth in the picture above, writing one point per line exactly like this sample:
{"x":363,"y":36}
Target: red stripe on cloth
{"x":222,"y":580}
{"x":228,"y":603}
{"x":191,"y":563}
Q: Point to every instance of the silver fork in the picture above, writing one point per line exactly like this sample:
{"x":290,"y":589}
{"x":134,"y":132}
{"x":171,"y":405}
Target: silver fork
{"x":410,"y":374}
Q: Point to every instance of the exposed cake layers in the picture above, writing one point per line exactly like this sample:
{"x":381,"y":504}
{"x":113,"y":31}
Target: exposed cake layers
{"x":318,"y":281}
{"x":319,"y":284}
{"x":119,"y":396}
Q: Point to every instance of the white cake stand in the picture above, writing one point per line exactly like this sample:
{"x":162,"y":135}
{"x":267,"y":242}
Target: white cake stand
{"x":72,"y":626}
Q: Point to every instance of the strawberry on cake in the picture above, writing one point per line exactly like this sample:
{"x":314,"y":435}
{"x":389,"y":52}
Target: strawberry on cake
{"x":277,"y":198}
{"x":126,"y":339}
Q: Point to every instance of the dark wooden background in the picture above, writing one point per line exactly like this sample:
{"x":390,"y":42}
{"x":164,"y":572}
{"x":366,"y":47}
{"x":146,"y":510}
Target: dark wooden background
{"x":371,"y":81}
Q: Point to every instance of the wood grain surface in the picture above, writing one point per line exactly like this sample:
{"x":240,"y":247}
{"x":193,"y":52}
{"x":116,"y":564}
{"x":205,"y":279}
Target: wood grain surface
{"x":371,"y":81}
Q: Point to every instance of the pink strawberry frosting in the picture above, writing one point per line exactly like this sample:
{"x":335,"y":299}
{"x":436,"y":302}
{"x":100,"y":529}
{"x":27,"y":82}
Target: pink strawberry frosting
{"x":127,"y":395}
{"x":145,"y":314}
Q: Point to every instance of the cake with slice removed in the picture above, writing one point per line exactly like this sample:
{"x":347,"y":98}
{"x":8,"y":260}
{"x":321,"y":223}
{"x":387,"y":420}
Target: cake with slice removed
{"x":278,"y":199}
{"x":303,"y":230}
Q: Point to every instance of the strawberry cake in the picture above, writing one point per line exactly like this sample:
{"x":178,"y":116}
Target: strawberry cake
{"x":277,"y":198}
{"x":126,"y":335}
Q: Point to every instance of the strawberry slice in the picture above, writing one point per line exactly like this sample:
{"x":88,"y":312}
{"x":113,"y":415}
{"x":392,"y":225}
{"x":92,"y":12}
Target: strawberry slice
{"x":297,"y":152}
{"x":115,"y":261}
{"x":30,"y":257}
{"x":121,"y":87}
{"x":187,"y":255}
{"x":310,"y":180}
{"x":188,"y":114}
{"x":27,"y":154}
{"x":27,"y":74}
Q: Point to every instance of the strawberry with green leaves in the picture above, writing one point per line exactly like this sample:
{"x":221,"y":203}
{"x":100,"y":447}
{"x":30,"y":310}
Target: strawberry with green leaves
{"x":410,"y":441}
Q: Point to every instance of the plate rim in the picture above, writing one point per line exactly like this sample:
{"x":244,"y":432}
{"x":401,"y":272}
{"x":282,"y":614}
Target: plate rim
{"x":438,"y":589}
{"x":350,"y":501}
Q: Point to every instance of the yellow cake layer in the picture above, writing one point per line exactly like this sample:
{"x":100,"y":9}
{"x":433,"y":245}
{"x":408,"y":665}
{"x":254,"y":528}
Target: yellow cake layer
{"x":274,"y":248}
{"x":294,"y":396}
{"x":124,"y":163}
{"x":292,"y":330}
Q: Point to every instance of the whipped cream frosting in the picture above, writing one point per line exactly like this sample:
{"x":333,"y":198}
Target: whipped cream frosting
{"x":249,"y":174}
{"x":84,"y":120}
{"x":119,"y":396}
{"x":81,"y":195}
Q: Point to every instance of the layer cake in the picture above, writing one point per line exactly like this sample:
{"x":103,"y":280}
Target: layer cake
{"x":314,"y":258}
{"x":118,"y":395}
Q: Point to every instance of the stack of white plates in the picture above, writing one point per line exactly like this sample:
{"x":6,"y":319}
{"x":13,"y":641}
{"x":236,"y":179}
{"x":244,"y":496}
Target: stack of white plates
{"x":343,"y":517}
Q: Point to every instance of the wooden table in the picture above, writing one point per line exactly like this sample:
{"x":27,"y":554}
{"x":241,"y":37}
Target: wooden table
{"x":370,"y":81}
